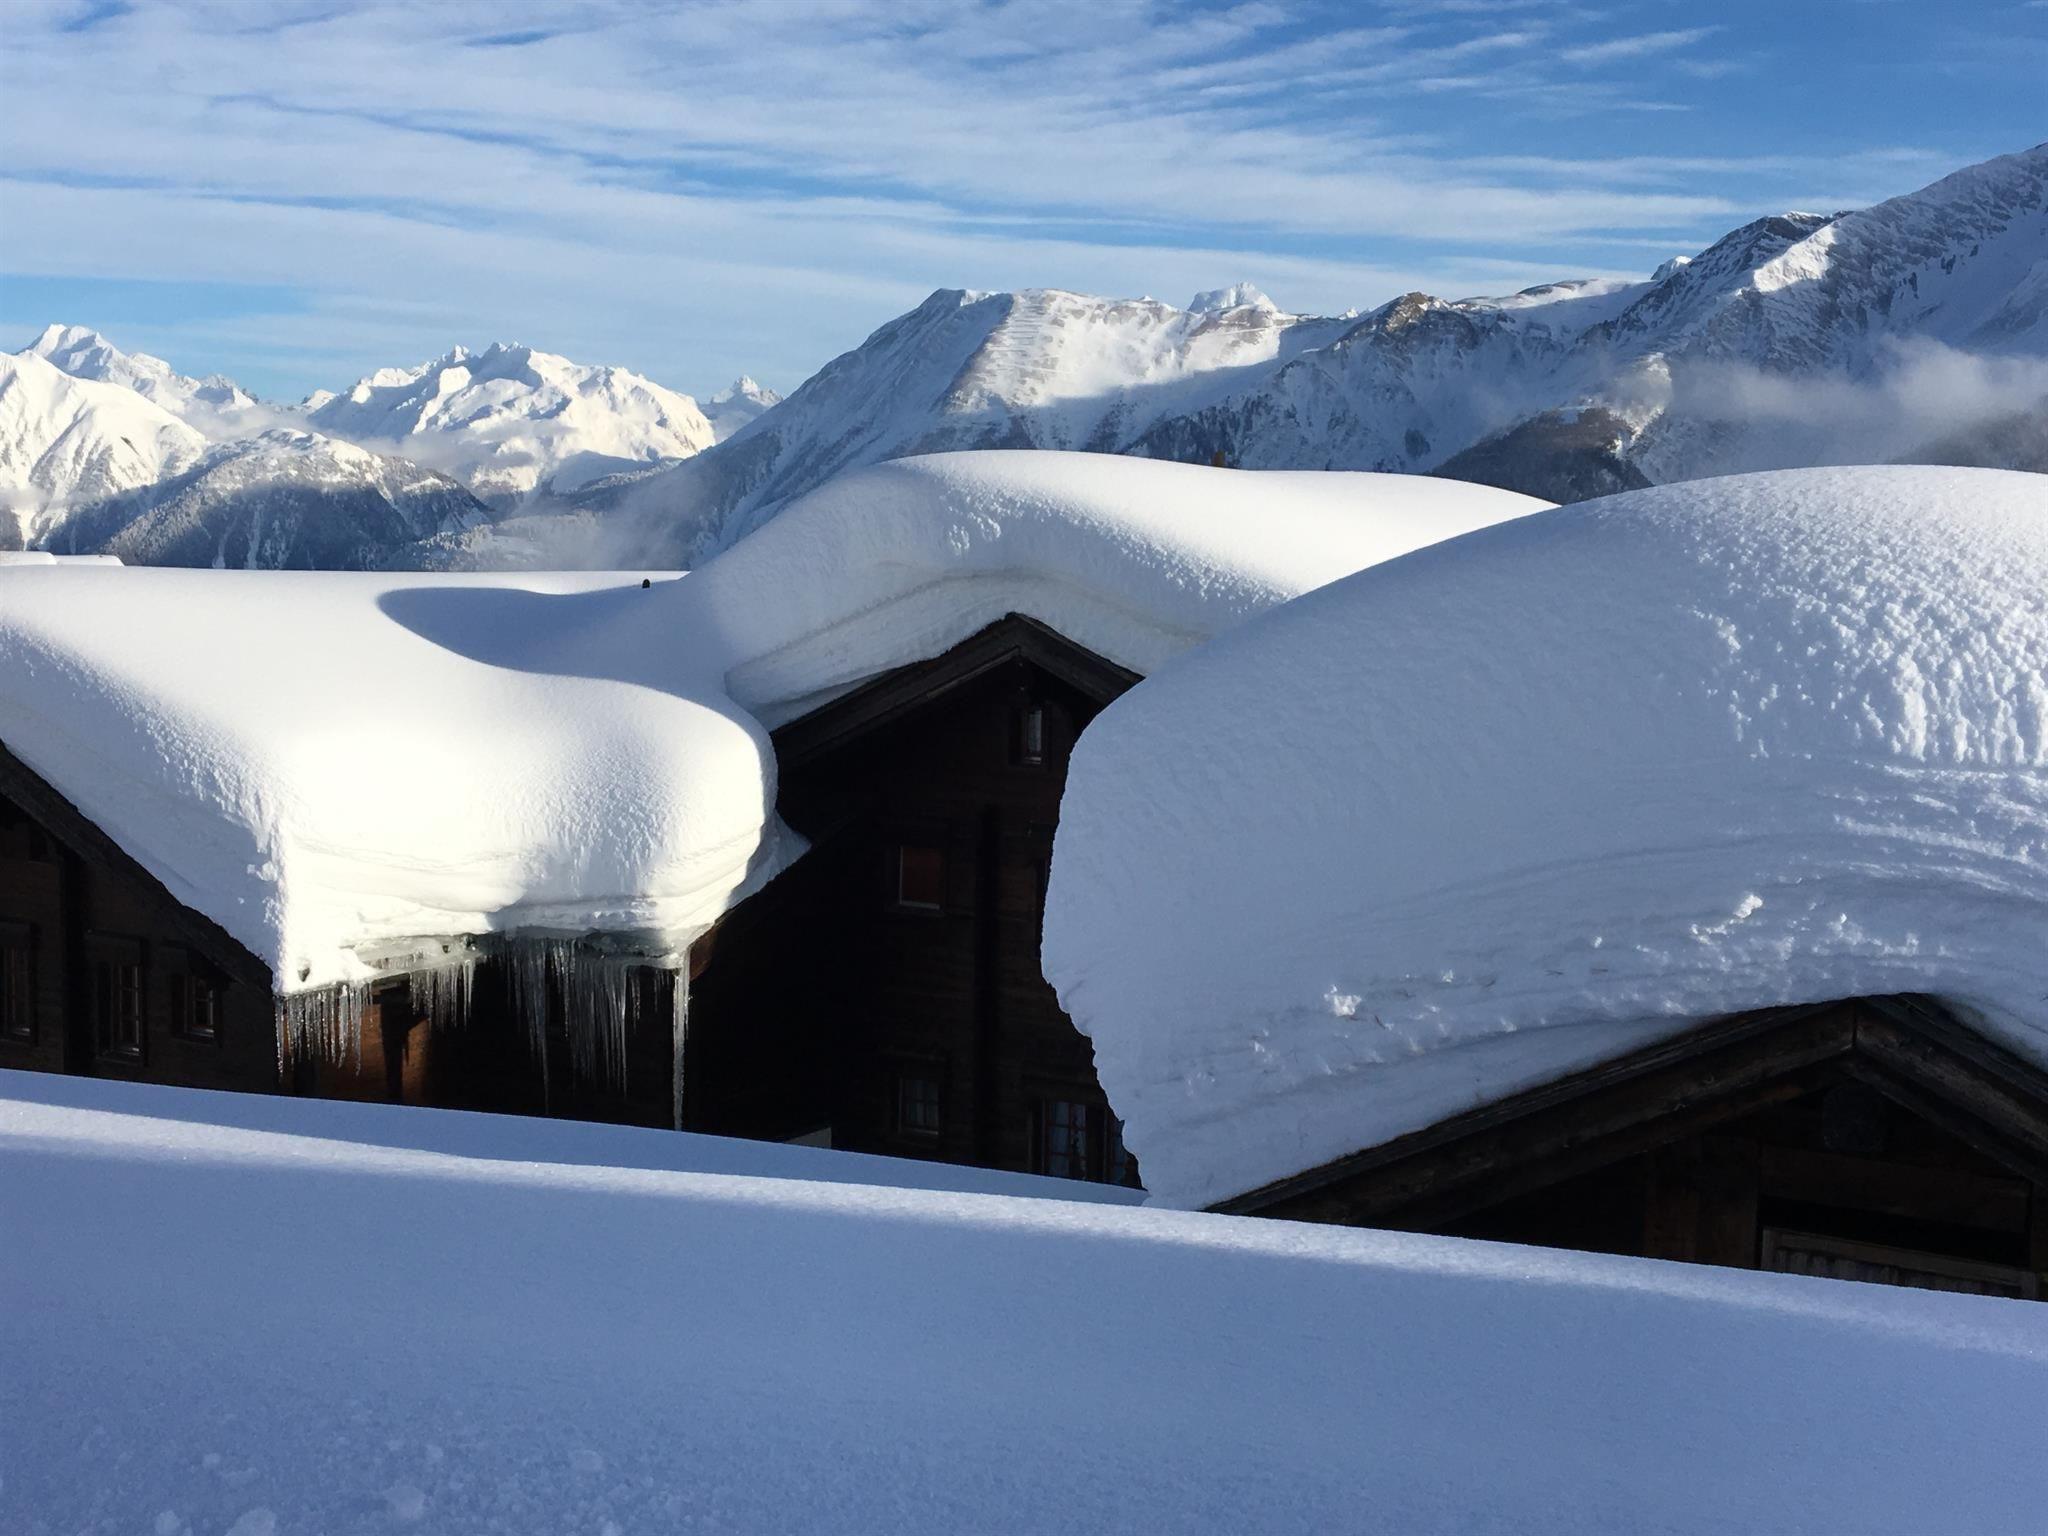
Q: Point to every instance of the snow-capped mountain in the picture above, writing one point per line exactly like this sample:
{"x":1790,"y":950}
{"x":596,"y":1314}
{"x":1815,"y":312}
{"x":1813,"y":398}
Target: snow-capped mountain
{"x":1042,"y":368}
{"x":1922,"y":317}
{"x":510,"y":422}
{"x":95,"y":465}
{"x":736,"y":405}
{"x":66,"y":440}
{"x":283,"y":500}
{"x":214,"y":405}
{"x":1914,"y":329}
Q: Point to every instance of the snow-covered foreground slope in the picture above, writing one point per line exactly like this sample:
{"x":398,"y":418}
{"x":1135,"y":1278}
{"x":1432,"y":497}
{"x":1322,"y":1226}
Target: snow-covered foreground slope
{"x":510,"y":421}
{"x":1535,"y":797}
{"x":212,"y":1329}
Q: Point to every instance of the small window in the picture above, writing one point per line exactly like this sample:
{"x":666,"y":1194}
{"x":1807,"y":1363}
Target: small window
{"x":920,"y":877}
{"x":917,"y":1106}
{"x":1028,"y":736}
{"x":195,"y":989}
{"x":1063,"y":1139}
{"x":18,"y":982}
{"x":117,"y":1011}
{"x":1075,"y":1140}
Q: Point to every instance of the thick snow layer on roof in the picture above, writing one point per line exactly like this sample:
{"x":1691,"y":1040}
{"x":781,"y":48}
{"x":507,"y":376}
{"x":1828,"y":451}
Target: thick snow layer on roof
{"x":329,"y":765}
{"x":1530,"y":799}
{"x":213,"y":1328}
{"x":1135,"y":559}
{"x":326,"y":764}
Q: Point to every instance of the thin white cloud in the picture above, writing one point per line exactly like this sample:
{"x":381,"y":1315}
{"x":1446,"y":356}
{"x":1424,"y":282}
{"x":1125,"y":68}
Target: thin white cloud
{"x":1641,"y":45}
{"x":750,"y":184}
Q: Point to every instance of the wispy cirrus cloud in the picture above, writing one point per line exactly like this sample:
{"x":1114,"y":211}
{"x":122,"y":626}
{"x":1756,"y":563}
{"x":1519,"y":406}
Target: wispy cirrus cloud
{"x":1640,"y":45}
{"x":751,"y":183}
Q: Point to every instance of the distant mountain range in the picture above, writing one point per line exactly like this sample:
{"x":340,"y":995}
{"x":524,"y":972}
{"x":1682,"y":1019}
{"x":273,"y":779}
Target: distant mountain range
{"x":1916,"y":329}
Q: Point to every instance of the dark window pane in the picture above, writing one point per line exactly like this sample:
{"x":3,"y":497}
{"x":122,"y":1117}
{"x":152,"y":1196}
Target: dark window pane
{"x":917,"y":1106}
{"x":17,"y":982}
{"x":1063,"y":1139}
{"x":920,"y":876}
{"x":116,"y":990}
{"x":195,"y":1000}
{"x":1031,"y":735}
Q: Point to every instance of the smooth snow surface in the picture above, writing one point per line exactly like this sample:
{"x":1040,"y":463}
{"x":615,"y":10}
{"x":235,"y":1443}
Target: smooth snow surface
{"x":208,"y":1329}
{"x":1134,"y":559}
{"x":454,"y":1133}
{"x":1535,"y":797}
{"x":329,"y":763}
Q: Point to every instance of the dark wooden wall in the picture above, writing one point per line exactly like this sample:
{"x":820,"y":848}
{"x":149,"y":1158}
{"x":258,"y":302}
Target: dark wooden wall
{"x":1841,"y":1164}
{"x":824,"y":997}
{"x":1876,"y":1139}
{"x":69,"y":901}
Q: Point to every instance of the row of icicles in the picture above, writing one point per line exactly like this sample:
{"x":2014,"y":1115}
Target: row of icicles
{"x":601,"y":997}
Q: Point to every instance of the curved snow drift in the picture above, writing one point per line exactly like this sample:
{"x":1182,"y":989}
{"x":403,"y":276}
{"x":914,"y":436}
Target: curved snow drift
{"x":1530,"y":799}
{"x":329,"y":763}
{"x":1135,"y":559}
{"x":334,"y":765}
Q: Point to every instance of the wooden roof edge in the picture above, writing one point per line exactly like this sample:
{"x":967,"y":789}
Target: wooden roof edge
{"x":895,"y":693}
{"x":1919,"y":1017}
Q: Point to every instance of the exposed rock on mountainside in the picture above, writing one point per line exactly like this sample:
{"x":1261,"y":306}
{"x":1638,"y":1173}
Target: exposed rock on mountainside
{"x":282,"y":501}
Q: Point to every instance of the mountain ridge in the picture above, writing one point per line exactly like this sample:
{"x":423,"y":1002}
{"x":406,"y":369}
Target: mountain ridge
{"x":1916,"y":326}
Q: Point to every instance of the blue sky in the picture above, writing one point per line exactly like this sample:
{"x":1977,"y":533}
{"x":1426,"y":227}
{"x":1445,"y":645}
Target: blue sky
{"x":298,"y":191}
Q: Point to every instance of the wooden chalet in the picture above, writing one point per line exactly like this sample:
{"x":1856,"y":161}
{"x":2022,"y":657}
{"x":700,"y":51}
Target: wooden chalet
{"x":884,"y":995}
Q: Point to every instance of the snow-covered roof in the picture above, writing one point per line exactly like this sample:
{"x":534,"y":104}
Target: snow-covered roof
{"x":1530,"y":799}
{"x":1135,"y":559}
{"x":332,"y":764}
{"x":313,"y":1323}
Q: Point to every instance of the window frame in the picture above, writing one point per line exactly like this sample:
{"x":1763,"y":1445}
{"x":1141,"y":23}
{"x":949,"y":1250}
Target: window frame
{"x":115,"y":953}
{"x":1031,"y":716}
{"x":1104,"y":1158}
{"x":924,"y":1074}
{"x":904,"y":847}
{"x":20,"y":1021}
{"x":186,"y":975}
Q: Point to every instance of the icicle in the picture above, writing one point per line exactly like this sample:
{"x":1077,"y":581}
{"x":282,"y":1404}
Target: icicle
{"x":324,"y":1024}
{"x":679,"y":1032}
{"x":601,"y":1004}
{"x":444,"y":992}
